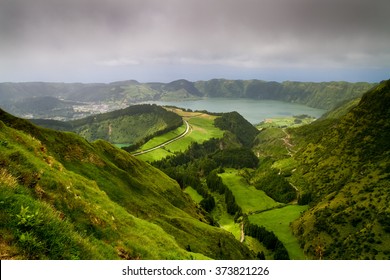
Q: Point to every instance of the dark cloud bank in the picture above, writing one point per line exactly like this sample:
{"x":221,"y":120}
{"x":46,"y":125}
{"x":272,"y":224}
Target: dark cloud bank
{"x":98,"y":40}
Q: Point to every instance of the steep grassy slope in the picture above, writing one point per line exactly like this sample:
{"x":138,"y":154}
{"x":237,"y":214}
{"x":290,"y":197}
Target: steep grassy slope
{"x":127,"y":126}
{"x":236,"y":124}
{"x":62,"y":197}
{"x":344,"y":164}
{"x":342,"y":109}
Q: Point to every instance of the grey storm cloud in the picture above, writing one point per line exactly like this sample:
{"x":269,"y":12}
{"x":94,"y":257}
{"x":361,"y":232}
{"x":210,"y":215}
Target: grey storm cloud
{"x":240,"y":33}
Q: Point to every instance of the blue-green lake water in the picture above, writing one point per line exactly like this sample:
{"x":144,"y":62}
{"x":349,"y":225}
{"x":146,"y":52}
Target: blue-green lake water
{"x":255,"y":111}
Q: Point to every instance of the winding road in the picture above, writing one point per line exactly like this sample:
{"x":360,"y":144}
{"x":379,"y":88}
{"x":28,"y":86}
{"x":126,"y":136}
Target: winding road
{"x":167,"y":142}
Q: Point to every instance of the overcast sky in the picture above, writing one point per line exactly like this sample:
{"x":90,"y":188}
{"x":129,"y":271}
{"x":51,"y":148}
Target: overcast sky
{"x":164,"y":40}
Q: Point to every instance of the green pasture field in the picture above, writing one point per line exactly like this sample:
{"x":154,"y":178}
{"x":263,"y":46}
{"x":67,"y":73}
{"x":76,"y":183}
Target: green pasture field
{"x":163,"y":138}
{"x":201,"y":129}
{"x":247,"y":197}
{"x":155,"y":155}
{"x":286,"y":122}
{"x":226,"y":222}
{"x":224,"y":219}
{"x":195,"y":196}
{"x":278,"y":220}
{"x":120,"y":146}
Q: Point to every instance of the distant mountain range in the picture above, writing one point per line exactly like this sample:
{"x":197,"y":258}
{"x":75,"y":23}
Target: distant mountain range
{"x":49,"y":100}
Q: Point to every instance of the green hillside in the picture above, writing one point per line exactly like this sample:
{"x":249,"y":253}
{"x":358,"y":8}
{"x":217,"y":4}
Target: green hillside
{"x":344,"y":168}
{"x":202,"y":128}
{"x":62,"y":197}
{"x":324,"y":95}
{"x":39,"y":106}
{"x":240,"y":127}
{"x":127,"y":127}
{"x":342,"y":109}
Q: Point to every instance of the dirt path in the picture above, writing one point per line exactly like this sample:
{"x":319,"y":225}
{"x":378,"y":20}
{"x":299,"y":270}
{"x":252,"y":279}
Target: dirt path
{"x":188,"y":128}
{"x":287,"y":143}
{"x":242,"y":233}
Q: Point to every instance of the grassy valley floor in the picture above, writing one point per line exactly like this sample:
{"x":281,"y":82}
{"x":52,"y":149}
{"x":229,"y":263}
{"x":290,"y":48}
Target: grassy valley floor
{"x":250,"y":199}
{"x":278,"y":221}
{"x":262,"y":211}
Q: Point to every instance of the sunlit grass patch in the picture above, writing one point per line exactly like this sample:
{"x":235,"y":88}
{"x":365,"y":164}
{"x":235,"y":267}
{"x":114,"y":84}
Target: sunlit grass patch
{"x":6,"y":179}
{"x":193,"y":194}
{"x":278,"y":220}
{"x":247,"y":196}
{"x":201,"y":129}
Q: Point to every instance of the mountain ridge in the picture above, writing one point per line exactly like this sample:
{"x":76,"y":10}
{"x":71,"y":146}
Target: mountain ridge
{"x":128,"y":126}
{"x":323,"y":95}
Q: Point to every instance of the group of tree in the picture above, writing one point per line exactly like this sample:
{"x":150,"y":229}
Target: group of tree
{"x":186,"y":179}
{"x":268,"y":238}
{"x":305,"y":198}
{"x":239,"y":126}
{"x":236,"y":158}
{"x":208,"y":203}
{"x":194,"y":152}
{"x":208,"y":156}
{"x":187,"y":169}
{"x":215,"y":184}
{"x":277,"y":187}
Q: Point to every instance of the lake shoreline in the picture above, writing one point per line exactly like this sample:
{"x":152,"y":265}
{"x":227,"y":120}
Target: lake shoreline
{"x":253,"y":110}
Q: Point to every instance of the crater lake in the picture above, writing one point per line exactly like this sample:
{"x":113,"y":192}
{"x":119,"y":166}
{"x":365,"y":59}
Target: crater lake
{"x":255,"y":111}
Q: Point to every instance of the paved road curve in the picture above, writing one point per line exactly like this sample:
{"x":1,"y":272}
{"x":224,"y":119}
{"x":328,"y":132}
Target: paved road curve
{"x":167,"y":142}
